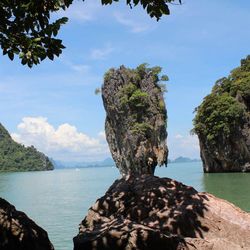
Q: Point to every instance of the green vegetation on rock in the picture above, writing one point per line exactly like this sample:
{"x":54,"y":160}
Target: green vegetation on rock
{"x":131,"y":95}
{"x":16,"y":157}
{"x":133,"y":100}
{"x":141,"y":128}
{"x":136,"y":118}
{"x":224,"y":111}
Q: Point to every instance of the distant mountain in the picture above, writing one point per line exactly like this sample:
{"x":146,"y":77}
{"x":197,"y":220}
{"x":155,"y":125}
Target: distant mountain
{"x":108,"y":162}
{"x":16,"y":157}
{"x":182,"y":159}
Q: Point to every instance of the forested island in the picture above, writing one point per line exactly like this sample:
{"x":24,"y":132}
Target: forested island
{"x":140,"y":210}
{"x":222,"y":123}
{"x":17,"y":157}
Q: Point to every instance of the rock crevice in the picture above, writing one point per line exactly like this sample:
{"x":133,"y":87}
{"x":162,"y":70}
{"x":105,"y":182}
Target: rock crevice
{"x":141,"y":211}
{"x":222,"y":123}
{"x":136,"y":119}
{"x":149,"y":212}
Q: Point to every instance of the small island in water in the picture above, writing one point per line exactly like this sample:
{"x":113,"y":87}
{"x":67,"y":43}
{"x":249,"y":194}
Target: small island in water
{"x":140,"y":210}
{"x":17,"y":157}
{"x":222,"y":123}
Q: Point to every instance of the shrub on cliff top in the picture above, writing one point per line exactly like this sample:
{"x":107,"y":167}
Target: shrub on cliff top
{"x":221,"y":113}
{"x":218,"y":116}
{"x":133,"y":99}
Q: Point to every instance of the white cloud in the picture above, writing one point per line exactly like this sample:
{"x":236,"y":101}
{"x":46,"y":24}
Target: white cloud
{"x":102,"y":135}
{"x":178,"y":136}
{"x":135,"y":26}
{"x":82,"y":11}
{"x":102,"y":53}
{"x":183,"y":145}
{"x":80,"y":68}
{"x":64,"y":143}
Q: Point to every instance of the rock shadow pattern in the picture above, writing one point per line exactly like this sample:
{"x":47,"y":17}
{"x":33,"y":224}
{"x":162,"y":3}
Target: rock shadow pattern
{"x":136,"y":118}
{"x":222,"y":123}
{"x":152,"y":213}
{"x":19,"y":232}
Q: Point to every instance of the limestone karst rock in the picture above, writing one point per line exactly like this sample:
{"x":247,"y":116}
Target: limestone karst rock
{"x":222,"y":123}
{"x":19,"y":232}
{"x":148,"y":212}
{"x":141,"y":211}
{"x":136,"y":119}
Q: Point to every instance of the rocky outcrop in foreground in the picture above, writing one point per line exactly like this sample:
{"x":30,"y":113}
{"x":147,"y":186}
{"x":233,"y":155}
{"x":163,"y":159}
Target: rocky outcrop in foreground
{"x":18,"y":232}
{"x":149,"y":212}
{"x":144,"y":212}
{"x":222,"y":123}
{"x":136,"y":118}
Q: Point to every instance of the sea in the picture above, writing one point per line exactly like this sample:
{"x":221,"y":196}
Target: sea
{"x":58,"y":200}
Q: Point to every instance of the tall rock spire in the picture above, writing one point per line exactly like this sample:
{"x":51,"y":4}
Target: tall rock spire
{"x":136,"y":119}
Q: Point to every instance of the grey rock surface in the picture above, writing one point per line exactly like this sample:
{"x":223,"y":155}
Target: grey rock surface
{"x":222,"y":123}
{"x":136,"y":120}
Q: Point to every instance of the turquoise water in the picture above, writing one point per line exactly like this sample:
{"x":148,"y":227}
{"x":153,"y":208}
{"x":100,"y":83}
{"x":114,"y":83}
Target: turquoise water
{"x":58,"y":200}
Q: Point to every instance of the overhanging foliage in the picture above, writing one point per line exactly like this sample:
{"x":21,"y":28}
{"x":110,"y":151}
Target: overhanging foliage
{"x":26,"y":29}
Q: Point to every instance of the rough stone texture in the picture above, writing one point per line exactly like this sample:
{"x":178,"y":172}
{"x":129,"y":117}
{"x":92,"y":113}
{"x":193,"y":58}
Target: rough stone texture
{"x":136,"y":120}
{"x":149,"y":212}
{"x":18,"y":232}
{"x":229,"y":153}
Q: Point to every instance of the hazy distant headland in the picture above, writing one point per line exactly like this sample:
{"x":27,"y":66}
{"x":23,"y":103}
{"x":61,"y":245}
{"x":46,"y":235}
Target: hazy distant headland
{"x":182,"y":159}
{"x":17,"y":157}
{"x":140,"y":210}
{"x":109,"y":162}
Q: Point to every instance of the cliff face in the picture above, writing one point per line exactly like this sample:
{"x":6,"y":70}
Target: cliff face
{"x":141,"y":211}
{"x":19,"y":232}
{"x":16,"y":157}
{"x":136,"y":119}
{"x":222,"y":123}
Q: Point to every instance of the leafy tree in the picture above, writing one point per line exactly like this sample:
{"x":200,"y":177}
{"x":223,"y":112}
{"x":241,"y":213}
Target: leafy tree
{"x":16,"y":157}
{"x":225,"y":111}
{"x":219,"y":116}
{"x":26,"y":29}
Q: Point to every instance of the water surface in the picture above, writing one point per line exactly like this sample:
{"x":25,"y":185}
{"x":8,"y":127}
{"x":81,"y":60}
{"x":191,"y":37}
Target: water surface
{"x":58,"y":200}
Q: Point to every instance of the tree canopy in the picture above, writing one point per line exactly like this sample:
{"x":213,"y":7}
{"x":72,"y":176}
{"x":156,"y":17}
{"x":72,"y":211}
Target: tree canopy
{"x":16,"y":157}
{"x":224,"y":111}
{"x":26,"y":29}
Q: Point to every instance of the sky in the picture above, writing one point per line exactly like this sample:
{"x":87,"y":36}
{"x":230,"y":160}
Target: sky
{"x":53,"y":106}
